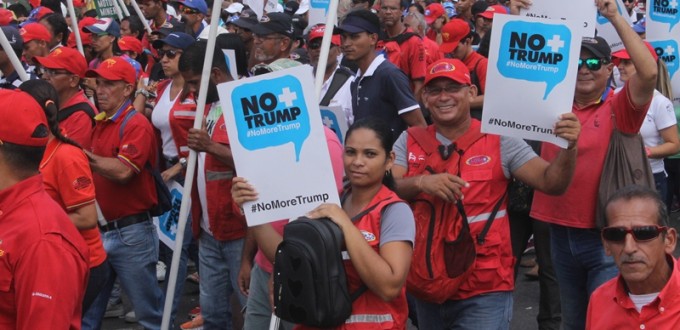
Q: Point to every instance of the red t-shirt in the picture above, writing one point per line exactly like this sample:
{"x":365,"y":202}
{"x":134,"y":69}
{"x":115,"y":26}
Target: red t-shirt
{"x":43,"y":261}
{"x":78,"y":126}
{"x":432,"y":52}
{"x":68,"y":180}
{"x":412,"y":59}
{"x":135,"y":150}
{"x":476,"y":62}
{"x":576,"y":207}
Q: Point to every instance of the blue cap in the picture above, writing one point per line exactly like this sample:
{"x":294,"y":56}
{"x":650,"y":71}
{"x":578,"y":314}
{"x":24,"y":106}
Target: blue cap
{"x":104,"y":25}
{"x":178,"y":40}
{"x":449,"y":9}
{"x":357,"y":24}
{"x":640,"y":26}
{"x":198,"y":5}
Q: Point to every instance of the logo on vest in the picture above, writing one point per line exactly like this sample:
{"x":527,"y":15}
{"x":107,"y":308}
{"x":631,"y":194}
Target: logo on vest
{"x":478,"y":160}
{"x":369,"y":237}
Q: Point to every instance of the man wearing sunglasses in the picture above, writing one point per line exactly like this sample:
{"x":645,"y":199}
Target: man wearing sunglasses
{"x":572,"y":215}
{"x":646,"y":292}
{"x":193,"y":14}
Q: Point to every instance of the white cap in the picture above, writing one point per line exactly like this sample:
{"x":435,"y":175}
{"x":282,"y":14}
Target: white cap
{"x":304,"y":7}
{"x":206,"y":32}
{"x":234,"y":8}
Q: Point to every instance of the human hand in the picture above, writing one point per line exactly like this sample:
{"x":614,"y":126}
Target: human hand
{"x":244,"y":278}
{"x":331,"y":211}
{"x":242,"y":191}
{"x":516,"y":5}
{"x":444,"y":185}
{"x":607,"y":8}
{"x":568,"y":128}
{"x":171,"y":172}
{"x":198,"y":139}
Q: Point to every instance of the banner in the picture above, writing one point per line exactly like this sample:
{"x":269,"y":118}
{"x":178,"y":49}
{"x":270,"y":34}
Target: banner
{"x":166,"y":224}
{"x":278,"y":142}
{"x":576,"y":10}
{"x":531,"y":76}
{"x":105,"y":8}
{"x":663,"y":32}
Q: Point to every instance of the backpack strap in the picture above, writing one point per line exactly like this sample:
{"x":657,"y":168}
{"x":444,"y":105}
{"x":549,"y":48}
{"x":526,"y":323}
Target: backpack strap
{"x":68,"y":111}
{"x":124,"y":123}
{"x":339,"y":78}
{"x":401,"y":38}
{"x":474,"y":78}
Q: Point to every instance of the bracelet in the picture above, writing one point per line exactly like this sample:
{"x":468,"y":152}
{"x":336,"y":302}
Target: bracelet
{"x":142,"y":91}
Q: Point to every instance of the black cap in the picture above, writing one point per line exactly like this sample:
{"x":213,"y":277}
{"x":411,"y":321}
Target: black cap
{"x":275,"y":23}
{"x":361,"y":20}
{"x":598,"y":46}
{"x":247,"y":19}
{"x":291,"y":7}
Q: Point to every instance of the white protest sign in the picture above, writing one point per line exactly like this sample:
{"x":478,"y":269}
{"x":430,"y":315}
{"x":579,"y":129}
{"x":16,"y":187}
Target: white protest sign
{"x":334,"y":118}
{"x":606,"y":30}
{"x":230,"y":58}
{"x":576,"y":10}
{"x":318,"y":12}
{"x":166,"y":224}
{"x":663,"y":32}
{"x":278,"y":143}
{"x":530,"y":77}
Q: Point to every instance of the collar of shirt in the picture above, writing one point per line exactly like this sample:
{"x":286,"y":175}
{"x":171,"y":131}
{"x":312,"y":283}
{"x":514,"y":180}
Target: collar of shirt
{"x":669,"y":295}
{"x":123,"y":109}
{"x":371,"y":68}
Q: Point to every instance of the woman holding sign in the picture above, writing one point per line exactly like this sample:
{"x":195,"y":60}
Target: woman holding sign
{"x":659,"y":129}
{"x":378,"y":228}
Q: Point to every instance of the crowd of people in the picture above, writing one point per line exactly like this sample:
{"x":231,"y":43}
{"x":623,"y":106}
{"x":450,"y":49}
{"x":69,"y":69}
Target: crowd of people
{"x":435,"y":214}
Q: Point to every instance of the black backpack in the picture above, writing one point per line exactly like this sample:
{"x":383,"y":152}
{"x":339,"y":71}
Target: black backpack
{"x":310,"y":286}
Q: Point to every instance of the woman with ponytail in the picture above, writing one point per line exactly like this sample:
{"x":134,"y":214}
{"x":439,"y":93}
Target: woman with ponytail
{"x":68,"y":179}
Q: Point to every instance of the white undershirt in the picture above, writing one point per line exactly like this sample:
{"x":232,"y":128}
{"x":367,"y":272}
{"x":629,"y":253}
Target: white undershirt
{"x":641,"y":300}
{"x":160,"y":117}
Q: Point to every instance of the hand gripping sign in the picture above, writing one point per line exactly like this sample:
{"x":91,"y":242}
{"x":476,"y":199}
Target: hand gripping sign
{"x":278,"y":142}
{"x":538,"y":59}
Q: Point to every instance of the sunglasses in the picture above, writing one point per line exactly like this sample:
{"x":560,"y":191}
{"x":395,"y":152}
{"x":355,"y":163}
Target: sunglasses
{"x":640,"y":233}
{"x":170,"y":53}
{"x":187,"y":10}
{"x":593,"y":64}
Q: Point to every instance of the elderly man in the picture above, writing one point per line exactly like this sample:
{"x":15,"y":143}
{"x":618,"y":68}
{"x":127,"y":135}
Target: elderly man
{"x":274,"y":35}
{"x":645,"y":295}
{"x":43,"y":258}
{"x":122,"y":154}
{"x":467,"y":162}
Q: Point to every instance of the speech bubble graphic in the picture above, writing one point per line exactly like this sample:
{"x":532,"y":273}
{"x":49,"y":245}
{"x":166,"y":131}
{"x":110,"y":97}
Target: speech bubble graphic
{"x":664,"y":11}
{"x":271,"y":112}
{"x":536,"y":52}
{"x":667,"y":50}
{"x":321,"y":4}
{"x":330,"y":120}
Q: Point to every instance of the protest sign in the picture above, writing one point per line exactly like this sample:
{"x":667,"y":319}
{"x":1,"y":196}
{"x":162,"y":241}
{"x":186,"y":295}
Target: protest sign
{"x":663,"y":32}
{"x":278,"y":142}
{"x":576,"y":10}
{"x":531,"y":76}
{"x":105,"y":8}
{"x":334,"y":118}
{"x":606,"y":30}
{"x":318,"y":11}
{"x":166,"y":224}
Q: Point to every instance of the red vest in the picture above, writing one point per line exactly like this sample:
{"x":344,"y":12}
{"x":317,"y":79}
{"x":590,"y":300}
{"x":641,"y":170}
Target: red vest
{"x":480,"y":166}
{"x":369,"y":308}
{"x":182,"y":115}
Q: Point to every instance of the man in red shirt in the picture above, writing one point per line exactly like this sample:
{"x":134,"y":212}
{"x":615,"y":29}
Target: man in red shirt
{"x":646,"y":293}
{"x":64,"y":68}
{"x":457,"y":43}
{"x":35,"y":36}
{"x":408,"y":45}
{"x":43,"y":258}
{"x":122,"y":154}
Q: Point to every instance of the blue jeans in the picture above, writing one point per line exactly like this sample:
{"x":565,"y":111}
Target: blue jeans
{"x":488,"y":311}
{"x":133,"y":254}
{"x":219,"y":263}
{"x":259,"y":310}
{"x":581,"y":266}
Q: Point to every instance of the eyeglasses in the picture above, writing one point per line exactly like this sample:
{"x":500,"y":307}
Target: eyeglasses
{"x":187,"y":10}
{"x":640,"y":233}
{"x":54,"y":72}
{"x":593,"y":64}
{"x":628,"y":0}
{"x":170,"y":53}
{"x":449,"y":89}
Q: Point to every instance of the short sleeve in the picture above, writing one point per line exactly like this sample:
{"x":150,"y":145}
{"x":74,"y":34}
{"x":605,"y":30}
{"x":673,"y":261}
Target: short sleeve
{"x":397,"y":224}
{"x":396,"y":90}
{"x":400,"y":151}
{"x":514,"y":154}
{"x":136,"y":145}
{"x":75,"y":185}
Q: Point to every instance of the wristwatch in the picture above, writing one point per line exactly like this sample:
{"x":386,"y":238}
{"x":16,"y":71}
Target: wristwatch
{"x":183,"y":162}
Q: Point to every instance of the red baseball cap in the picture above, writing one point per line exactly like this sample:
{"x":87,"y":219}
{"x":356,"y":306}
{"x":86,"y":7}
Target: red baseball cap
{"x":6,"y":17}
{"x":452,"y":33}
{"x":115,"y":68}
{"x":623,"y":54}
{"x":35,"y":31}
{"x":433,"y":11}
{"x":22,"y":118}
{"x":492,"y":10}
{"x":318,"y":31}
{"x":130,"y":44}
{"x":450,"y":68}
{"x":65,"y":58}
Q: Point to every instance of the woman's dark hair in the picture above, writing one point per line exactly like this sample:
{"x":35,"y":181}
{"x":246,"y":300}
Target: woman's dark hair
{"x":19,"y":10}
{"x":384,"y":134}
{"x":418,"y":7}
{"x":45,"y":94}
{"x":136,"y":26}
{"x":58,"y":24}
{"x":484,"y":44}
{"x":230,"y":41}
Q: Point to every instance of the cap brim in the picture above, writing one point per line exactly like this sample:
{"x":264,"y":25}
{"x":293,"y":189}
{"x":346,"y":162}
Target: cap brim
{"x":348,"y":29}
{"x":430,"y":20}
{"x":594,"y":51}
{"x":486,"y":14}
{"x":48,"y":63}
{"x":94,"y":73}
{"x":244,"y":24}
{"x":448,"y":47}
